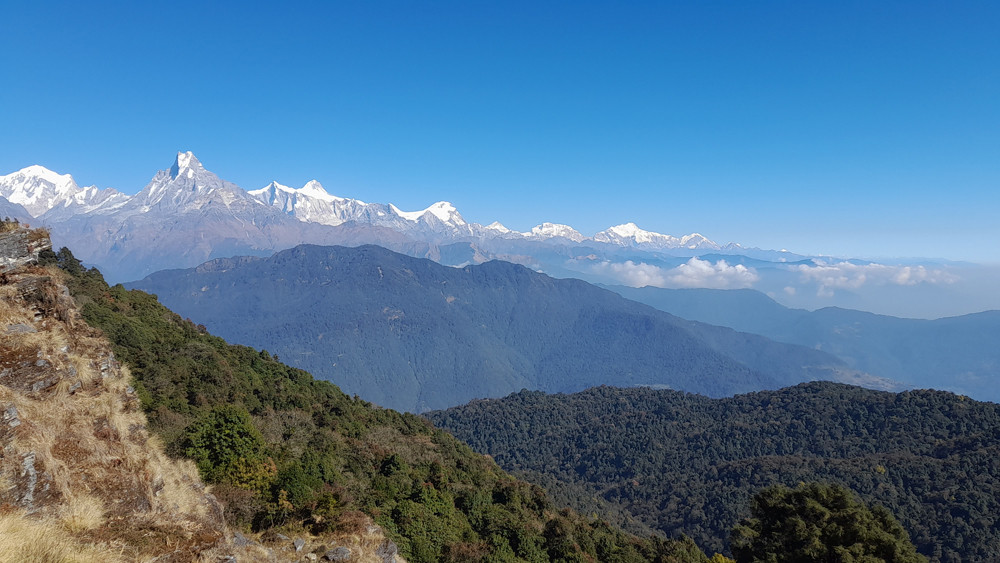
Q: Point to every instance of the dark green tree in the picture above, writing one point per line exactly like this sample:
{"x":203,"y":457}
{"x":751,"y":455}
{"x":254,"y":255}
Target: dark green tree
{"x":820,"y":523}
{"x":228,"y":448}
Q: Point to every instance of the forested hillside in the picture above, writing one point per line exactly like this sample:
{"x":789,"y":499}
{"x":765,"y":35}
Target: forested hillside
{"x":689,"y":464}
{"x":414,"y":335}
{"x":286,"y":450}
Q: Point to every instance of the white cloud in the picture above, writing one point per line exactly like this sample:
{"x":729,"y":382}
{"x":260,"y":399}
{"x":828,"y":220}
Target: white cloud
{"x":635,"y":275}
{"x":846,"y":275}
{"x":693,"y":273}
{"x":702,"y":273}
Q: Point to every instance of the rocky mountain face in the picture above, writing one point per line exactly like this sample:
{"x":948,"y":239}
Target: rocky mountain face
{"x":20,"y":246}
{"x":13,"y":211}
{"x":413,"y":335}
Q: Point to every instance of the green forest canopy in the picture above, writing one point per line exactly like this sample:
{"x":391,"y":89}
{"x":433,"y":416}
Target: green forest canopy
{"x":688,"y":464}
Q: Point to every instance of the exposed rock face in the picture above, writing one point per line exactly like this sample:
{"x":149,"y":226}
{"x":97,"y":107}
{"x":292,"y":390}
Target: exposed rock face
{"x":20,"y":246}
{"x":387,"y":552}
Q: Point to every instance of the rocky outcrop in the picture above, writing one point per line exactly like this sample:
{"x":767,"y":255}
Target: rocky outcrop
{"x":20,"y":245}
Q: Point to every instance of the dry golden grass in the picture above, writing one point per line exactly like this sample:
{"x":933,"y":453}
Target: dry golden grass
{"x":246,"y":553}
{"x":85,"y":369}
{"x":24,"y":540}
{"x":10,"y":311}
{"x":40,"y":234}
{"x":82,"y":512}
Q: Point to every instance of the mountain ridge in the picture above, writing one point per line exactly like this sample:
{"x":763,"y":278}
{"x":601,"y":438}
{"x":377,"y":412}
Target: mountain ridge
{"x":405,"y":332}
{"x":950,"y":353}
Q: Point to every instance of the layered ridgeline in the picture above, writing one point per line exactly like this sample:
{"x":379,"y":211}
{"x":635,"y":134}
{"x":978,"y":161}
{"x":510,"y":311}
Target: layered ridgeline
{"x":957,"y":354}
{"x":685,"y":463}
{"x":413,"y":335}
{"x":292,"y":454}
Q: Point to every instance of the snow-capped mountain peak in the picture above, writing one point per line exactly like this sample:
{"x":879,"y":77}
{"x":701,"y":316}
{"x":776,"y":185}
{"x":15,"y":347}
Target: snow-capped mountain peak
{"x":187,"y":185}
{"x":632,"y":231}
{"x":186,"y":163}
{"x":272,"y":193}
{"x":497,"y":226}
{"x":552,"y":230}
{"x":314,"y":189}
{"x":442,"y":210}
{"x":42,"y":173}
{"x":39,"y":189}
{"x":629,"y":234}
{"x":275,"y":186}
{"x":446,"y":212}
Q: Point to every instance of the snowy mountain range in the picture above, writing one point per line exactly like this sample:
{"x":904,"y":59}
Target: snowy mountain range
{"x":187,"y":214}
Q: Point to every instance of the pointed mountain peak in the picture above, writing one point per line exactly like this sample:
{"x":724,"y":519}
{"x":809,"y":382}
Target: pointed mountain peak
{"x":315,"y":189}
{"x":185,"y":161}
{"x":497,"y":226}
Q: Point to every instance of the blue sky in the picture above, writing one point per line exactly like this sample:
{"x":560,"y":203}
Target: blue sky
{"x":850,"y":128}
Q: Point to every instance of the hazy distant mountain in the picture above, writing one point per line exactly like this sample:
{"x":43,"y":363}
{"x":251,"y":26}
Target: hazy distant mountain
{"x":958,"y":354}
{"x":411,"y":334}
{"x":13,"y":211}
